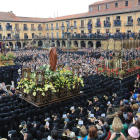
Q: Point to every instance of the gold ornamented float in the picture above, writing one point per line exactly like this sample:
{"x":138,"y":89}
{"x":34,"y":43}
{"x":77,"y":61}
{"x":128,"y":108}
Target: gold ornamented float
{"x":45,"y":87}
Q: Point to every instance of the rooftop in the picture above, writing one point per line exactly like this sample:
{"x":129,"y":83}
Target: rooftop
{"x":8,"y":16}
{"x":102,"y":2}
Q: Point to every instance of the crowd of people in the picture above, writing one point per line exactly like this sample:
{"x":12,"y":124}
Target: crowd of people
{"x":100,"y":35}
{"x":108,"y":109}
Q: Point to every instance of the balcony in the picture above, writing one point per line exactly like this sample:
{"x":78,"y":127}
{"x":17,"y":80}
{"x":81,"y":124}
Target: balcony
{"x":33,"y":29}
{"x":117,"y":22}
{"x":107,"y":24}
{"x":17,"y":29}
{"x":1,"y":28}
{"x":129,"y":23}
{"x":75,"y":27}
{"x":98,"y":24}
{"x":82,"y":27}
{"x":39,"y":28}
{"x":57,"y":28}
{"x":52,"y":28}
{"x":9,"y":27}
{"x":25,"y":28}
{"x":47,"y":28}
{"x":138,"y":22}
{"x":25,"y":37}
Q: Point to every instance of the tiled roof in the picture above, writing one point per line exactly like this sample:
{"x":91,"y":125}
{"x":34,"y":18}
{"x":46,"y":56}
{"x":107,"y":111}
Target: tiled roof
{"x":102,"y":2}
{"x":8,"y":16}
{"x":99,"y":13}
{"x":32,"y":19}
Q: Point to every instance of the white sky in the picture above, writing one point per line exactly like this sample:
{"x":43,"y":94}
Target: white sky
{"x":45,"y":8}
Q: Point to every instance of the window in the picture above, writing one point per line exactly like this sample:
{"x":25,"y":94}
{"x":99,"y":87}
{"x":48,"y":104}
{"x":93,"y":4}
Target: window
{"x":62,"y":23}
{"x":129,"y":18}
{"x":0,"y":36}
{"x":33,"y":35}
{"x":116,"y":5}
{"x":117,"y":17}
{"x":17,"y":26}
{"x":82,"y":23}
{"x":82,"y":31}
{"x":52,"y":26}
{"x":138,"y":2}
{"x":117,"y":30}
{"x":90,"y":9}
{"x":25,"y":36}
{"x":107,"y":30}
{"x":52,"y":35}
{"x":129,"y":31}
{"x":25,"y":27}
{"x":39,"y":27}
{"x":39,"y":34}
{"x":57,"y":35}
{"x":32,"y":27}
{"x":47,"y":35}
{"x":47,"y":26}
{"x":98,"y":31}
{"x":107,"y":6}
{"x":98,"y":8}
{"x":68,"y":23}
{"x":8,"y":36}
{"x":56,"y":25}
{"x":126,"y":3}
{"x":108,"y":18}
{"x":75,"y":24}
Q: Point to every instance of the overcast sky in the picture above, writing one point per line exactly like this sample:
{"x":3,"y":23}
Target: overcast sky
{"x":45,"y":8}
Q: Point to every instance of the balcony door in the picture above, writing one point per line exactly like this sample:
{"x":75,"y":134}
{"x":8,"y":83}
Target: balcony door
{"x":32,"y":27}
{"x":17,"y":26}
{"x":82,"y":23}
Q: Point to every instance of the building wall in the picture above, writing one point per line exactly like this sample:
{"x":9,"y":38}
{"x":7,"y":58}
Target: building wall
{"x":112,"y":29}
{"x":121,"y":3}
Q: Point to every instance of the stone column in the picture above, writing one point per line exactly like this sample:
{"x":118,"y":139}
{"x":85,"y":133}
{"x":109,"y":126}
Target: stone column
{"x":13,"y":45}
{"x":60,"y":43}
{"x":55,"y":41}
{"x":94,"y":44}
{"x":86,"y":42}
{"x":21,"y":44}
{"x":79,"y":44}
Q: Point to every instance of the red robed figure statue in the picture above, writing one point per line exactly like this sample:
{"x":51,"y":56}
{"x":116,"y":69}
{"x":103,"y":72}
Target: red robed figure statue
{"x":53,"y":58}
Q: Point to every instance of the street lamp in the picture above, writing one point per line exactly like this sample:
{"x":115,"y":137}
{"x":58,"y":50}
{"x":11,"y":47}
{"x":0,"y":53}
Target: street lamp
{"x":68,"y":35}
{"x":16,"y":36}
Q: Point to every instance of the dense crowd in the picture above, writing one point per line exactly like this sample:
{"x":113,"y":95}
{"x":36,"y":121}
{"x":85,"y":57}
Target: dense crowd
{"x":108,"y":109}
{"x":100,"y":35}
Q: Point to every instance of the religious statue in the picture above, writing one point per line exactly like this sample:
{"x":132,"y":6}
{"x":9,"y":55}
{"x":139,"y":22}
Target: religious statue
{"x":53,"y":58}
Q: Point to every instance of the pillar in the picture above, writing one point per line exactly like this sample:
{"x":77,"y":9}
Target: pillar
{"x":86,"y":42}
{"x":13,"y":45}
{"x":60,"y":43}
{"x":94,"y":45}
{"x":79,"y":44}
{"x":55,"y":41}
{"x":21,"y":44}
{"x":43,"y":42}
{"x":72,"y":43}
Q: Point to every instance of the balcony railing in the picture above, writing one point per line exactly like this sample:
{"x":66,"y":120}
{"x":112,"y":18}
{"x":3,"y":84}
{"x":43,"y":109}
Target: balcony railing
{"x":57,"y":28}
{"x":25,"y":37}
{"x":97,"y":24}
{"x":9,"y":27}
{"x":107,"y":24}
{"x":33,"y":29}
{"x":17,"y":29}
{"x":47,"y":28}
{"x":129,"y":23}
{"x":117,"y":22}
{"x":39,"y":28}
{"x":52,"y":28}
{"x":82,"y":27}
{"x":75,"y":27}
{"x":25,"y":28}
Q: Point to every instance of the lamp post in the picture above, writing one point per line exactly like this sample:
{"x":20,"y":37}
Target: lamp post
{"x":68,"y":35}
{"x":16,"y":35}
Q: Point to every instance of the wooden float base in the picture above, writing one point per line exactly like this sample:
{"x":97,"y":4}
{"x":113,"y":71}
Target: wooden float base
{"x":51,"y":102}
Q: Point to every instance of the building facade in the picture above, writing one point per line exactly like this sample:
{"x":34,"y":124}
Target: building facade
{"x":107,"y":16}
